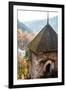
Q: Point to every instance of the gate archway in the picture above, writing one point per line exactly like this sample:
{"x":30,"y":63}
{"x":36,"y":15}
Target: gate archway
{"x":48,"y":68}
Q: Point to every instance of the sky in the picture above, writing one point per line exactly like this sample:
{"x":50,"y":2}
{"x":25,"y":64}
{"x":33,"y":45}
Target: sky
{"x":36,"y":20}
{"x":25,"y":16}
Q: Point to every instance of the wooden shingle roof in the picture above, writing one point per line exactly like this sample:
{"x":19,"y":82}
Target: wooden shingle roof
{"x":46,"y":40}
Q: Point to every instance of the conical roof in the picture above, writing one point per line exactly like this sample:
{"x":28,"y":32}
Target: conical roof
{"x":45,"y":41}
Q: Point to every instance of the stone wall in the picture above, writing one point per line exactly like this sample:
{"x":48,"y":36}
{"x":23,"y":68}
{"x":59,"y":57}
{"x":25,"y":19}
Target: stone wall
{"x":40,"y":61}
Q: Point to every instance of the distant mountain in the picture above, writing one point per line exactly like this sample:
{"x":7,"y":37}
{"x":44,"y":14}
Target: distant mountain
{"x":23,"y":39}
{"x":24,"y":35}
{"x":23,"y":27}
{"x":37,"y":25}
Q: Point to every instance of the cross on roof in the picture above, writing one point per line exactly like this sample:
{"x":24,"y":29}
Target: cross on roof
{"x":47,"y":17}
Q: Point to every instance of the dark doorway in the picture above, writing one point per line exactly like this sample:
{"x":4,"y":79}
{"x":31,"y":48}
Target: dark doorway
{"x":47,"y":73}
{"x":48,"y":68}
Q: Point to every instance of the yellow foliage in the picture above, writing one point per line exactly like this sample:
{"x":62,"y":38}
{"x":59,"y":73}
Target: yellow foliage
{"x":23,"y":69}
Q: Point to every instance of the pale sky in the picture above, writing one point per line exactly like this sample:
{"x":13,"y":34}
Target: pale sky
{"x":24,"y":16}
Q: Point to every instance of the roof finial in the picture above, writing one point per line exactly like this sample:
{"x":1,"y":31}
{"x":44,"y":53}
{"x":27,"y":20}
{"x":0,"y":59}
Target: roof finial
{"x":47,"y":17}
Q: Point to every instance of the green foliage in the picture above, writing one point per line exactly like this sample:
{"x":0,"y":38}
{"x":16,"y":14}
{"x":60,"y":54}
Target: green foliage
{"x":26,"y":55}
